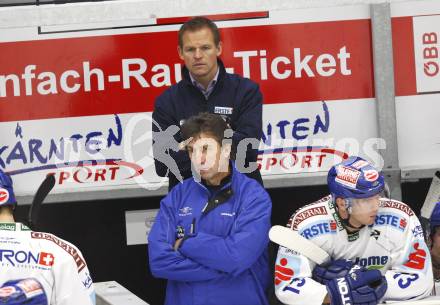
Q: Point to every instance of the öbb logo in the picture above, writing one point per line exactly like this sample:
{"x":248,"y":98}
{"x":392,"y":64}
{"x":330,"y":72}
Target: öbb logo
{"x":430,"y":54}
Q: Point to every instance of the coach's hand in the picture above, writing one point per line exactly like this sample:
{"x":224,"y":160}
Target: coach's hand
{"x":359,"y":286}
{"x":337,"y":268}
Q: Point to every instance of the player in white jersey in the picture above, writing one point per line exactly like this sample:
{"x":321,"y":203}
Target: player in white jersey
{"x":434,"y":236}
{"x":32,"y":260}
{"x":376,"y":244}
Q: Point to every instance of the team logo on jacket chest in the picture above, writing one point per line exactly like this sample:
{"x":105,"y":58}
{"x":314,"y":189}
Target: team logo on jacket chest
{"x":223,"y":110}
{"x":319,"y":228}
{"x":185,"y":211}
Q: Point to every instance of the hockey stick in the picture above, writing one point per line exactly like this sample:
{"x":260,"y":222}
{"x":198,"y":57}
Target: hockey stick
{"x":290,"y":239}
{"x":431,"y":199}
{"x":45,"y":187}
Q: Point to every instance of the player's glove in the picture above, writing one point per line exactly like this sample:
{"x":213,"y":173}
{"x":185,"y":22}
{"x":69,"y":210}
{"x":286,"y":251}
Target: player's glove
{"x":337,"y":268}
{"x":358,"y":287}
{"x":23,"y":292}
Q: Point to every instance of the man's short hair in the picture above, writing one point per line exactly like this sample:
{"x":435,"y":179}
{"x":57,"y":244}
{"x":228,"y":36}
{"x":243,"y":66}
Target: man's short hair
{"x":198,"y":23}
{"x":208,"y":123}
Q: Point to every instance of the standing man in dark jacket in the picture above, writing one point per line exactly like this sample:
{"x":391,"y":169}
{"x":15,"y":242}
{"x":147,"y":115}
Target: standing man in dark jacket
{"x":210,"y":236}
{"x":206,"y":87}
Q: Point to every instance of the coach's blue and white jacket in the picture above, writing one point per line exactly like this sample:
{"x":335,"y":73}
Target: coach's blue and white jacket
{"x":225,"y":260}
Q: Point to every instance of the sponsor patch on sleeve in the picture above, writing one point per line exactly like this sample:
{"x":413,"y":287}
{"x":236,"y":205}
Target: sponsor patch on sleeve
{"x":416,"y":258}
{"x":303,"y":215}
{"x":80,"y":263}
{"x":398,"y":206}
{"x":286,"y":268}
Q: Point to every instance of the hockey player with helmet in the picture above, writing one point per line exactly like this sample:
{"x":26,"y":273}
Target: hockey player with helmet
{"x":434,"y":236}
{"x":38,"y":268}
{"x":376,"y":244}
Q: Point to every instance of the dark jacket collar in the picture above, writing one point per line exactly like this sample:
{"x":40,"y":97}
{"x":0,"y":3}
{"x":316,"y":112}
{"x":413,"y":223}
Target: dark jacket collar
{"x":227,"y":181}
{"x":221,"y":74}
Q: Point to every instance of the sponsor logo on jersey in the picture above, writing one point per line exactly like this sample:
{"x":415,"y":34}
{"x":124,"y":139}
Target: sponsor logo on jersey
{"x":371,"y":175}
{"x":303,"y":215}
{"x":359,"y":164}
{"x":9,"y":240}
{"x":46,"y":259}
{"x":417,"y":257}
{"x":285,"y":268}
{"x":331,"y":205}
{"x":80,"y":263}
{"x":21,"y":258}
{"x":372,"y":262}
{"x":320,"y":228}
{"x":7,"y":226}
{"x":353,"y":236}
{"x":290,"y":252}
{"x":347,"y":176}
{"x":418,"y":231}
{"x":283,"y":273}
{"x":338,"y":221}
{"x":87,"y":282}
{"x":398,"y":205}
{"x":24,"y":228}
{"x":223,"y":110}
{"x":375,"y":234}
{"x":392,"y":220}
{"x":402,"y":224}
{"x":4,"y":195}
{"x":185,"y":211}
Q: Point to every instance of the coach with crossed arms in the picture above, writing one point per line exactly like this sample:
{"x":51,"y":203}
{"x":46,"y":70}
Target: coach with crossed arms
{"x":210,"y":236}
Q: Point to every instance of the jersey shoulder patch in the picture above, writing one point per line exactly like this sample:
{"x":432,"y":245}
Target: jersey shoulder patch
{"x":62,"y":245}
{"x":396,"y":206}
{"x":316,"y":211}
